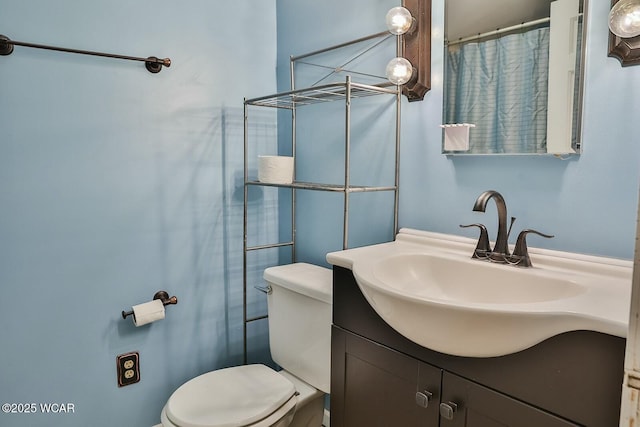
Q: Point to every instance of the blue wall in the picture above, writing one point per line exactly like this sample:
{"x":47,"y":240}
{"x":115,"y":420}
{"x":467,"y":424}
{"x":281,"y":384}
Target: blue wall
{"x":116,"y":183}
{"x":588,"y":202}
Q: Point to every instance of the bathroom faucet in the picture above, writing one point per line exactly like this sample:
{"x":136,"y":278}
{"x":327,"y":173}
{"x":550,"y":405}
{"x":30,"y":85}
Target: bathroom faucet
{"x":500,"y":252}
{"x":501,"y":249}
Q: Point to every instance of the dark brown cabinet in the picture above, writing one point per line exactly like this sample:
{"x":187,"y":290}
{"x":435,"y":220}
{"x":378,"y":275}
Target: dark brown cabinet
{"x":381,"y":379}
{"x":467,"y":404}
{"x":376,"y":379}
{"x":385,"y":388}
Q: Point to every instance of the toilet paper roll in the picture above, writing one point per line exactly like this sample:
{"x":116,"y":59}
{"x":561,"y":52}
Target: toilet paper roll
{"x":275,"y":169}
{"x":148,"y":312}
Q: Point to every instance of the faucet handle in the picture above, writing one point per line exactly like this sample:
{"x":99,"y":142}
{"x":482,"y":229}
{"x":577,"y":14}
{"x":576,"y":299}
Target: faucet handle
{"x":483,"y":248}
{"x":521,"y":252}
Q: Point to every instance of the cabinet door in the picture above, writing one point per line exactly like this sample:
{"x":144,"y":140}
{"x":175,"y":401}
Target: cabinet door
{"x":467,"y":404}
{"x":374,"y":386}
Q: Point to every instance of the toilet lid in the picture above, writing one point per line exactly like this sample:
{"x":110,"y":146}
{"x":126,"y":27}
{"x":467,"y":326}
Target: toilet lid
{"x":231,"y":397}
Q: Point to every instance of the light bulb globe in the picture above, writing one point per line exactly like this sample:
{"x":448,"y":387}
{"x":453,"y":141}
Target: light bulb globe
{"x":624,"y":18}
{"x":399,"y":20}
{"x":399,"y":71}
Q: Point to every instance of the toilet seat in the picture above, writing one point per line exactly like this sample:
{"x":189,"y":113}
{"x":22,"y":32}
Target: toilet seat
{"x":241,"y":396}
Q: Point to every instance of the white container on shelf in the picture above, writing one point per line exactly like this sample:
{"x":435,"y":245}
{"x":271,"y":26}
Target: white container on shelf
{"x":275,"y":169}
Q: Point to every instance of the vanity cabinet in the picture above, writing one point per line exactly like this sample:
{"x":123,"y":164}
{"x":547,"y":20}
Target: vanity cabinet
{"x":385,"y":388}
{"x":379,"y":378}
{"x":467,"y":404}
{"x":381,"y":387}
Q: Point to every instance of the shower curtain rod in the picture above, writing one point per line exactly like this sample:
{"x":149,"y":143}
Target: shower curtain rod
{"x":500,"y":31}
{"x":153,"y":64}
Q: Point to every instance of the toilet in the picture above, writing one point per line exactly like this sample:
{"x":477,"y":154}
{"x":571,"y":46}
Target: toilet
{"x":299,"y":308}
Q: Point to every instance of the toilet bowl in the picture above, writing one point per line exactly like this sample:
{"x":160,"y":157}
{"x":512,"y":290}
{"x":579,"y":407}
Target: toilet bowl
{"x":299,"y":307}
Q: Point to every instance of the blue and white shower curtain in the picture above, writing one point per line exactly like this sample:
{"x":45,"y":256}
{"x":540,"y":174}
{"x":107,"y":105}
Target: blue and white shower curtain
{"x":500,"y":85}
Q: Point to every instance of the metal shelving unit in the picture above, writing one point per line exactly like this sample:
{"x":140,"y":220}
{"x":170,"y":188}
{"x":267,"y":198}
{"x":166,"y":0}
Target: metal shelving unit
{"x":292,"y":100}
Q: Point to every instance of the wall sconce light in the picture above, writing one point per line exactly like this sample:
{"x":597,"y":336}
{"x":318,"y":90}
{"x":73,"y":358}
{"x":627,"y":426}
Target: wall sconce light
{"x":400,"y":21}
{"x":412,"y":69}
{"x":399,"y":71}
{"x":624,"y":18}
{"x":624,"y":36}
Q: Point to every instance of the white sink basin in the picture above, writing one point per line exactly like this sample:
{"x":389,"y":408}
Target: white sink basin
{"x":471,"y":281}
{"x":427,"y":287}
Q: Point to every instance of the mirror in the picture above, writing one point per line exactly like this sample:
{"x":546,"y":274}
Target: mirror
{"x":513,"y":76}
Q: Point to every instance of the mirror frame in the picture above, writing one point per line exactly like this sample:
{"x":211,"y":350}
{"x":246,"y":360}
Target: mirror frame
{"x":580,"y":97}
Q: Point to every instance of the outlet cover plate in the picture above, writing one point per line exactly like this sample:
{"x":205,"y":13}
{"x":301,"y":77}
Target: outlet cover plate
{"x":128,"y":366}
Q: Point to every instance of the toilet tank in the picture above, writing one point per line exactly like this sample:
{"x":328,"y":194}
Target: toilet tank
{"x":299,"y":307}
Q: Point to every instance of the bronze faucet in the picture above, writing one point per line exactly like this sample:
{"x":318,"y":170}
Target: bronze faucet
{"x":500,"y":252}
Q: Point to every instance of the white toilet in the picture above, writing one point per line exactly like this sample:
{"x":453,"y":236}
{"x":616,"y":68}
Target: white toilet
{"x":299,"y":307}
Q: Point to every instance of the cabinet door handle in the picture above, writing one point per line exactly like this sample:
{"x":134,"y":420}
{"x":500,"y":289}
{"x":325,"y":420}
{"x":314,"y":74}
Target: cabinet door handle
{"x":422,"y":398}
{"x":447,"y":410}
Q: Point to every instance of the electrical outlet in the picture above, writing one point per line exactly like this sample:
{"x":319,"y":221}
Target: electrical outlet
{"x":128,"y":366}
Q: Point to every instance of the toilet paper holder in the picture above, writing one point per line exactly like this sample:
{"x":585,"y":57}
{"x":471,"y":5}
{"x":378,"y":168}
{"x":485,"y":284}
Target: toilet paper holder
{"x":162,"y":296}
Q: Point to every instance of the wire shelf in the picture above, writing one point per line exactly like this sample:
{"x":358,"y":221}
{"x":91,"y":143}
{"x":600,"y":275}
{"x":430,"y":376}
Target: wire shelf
{"x":318,"y":94}
{"x":325,"y":187}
